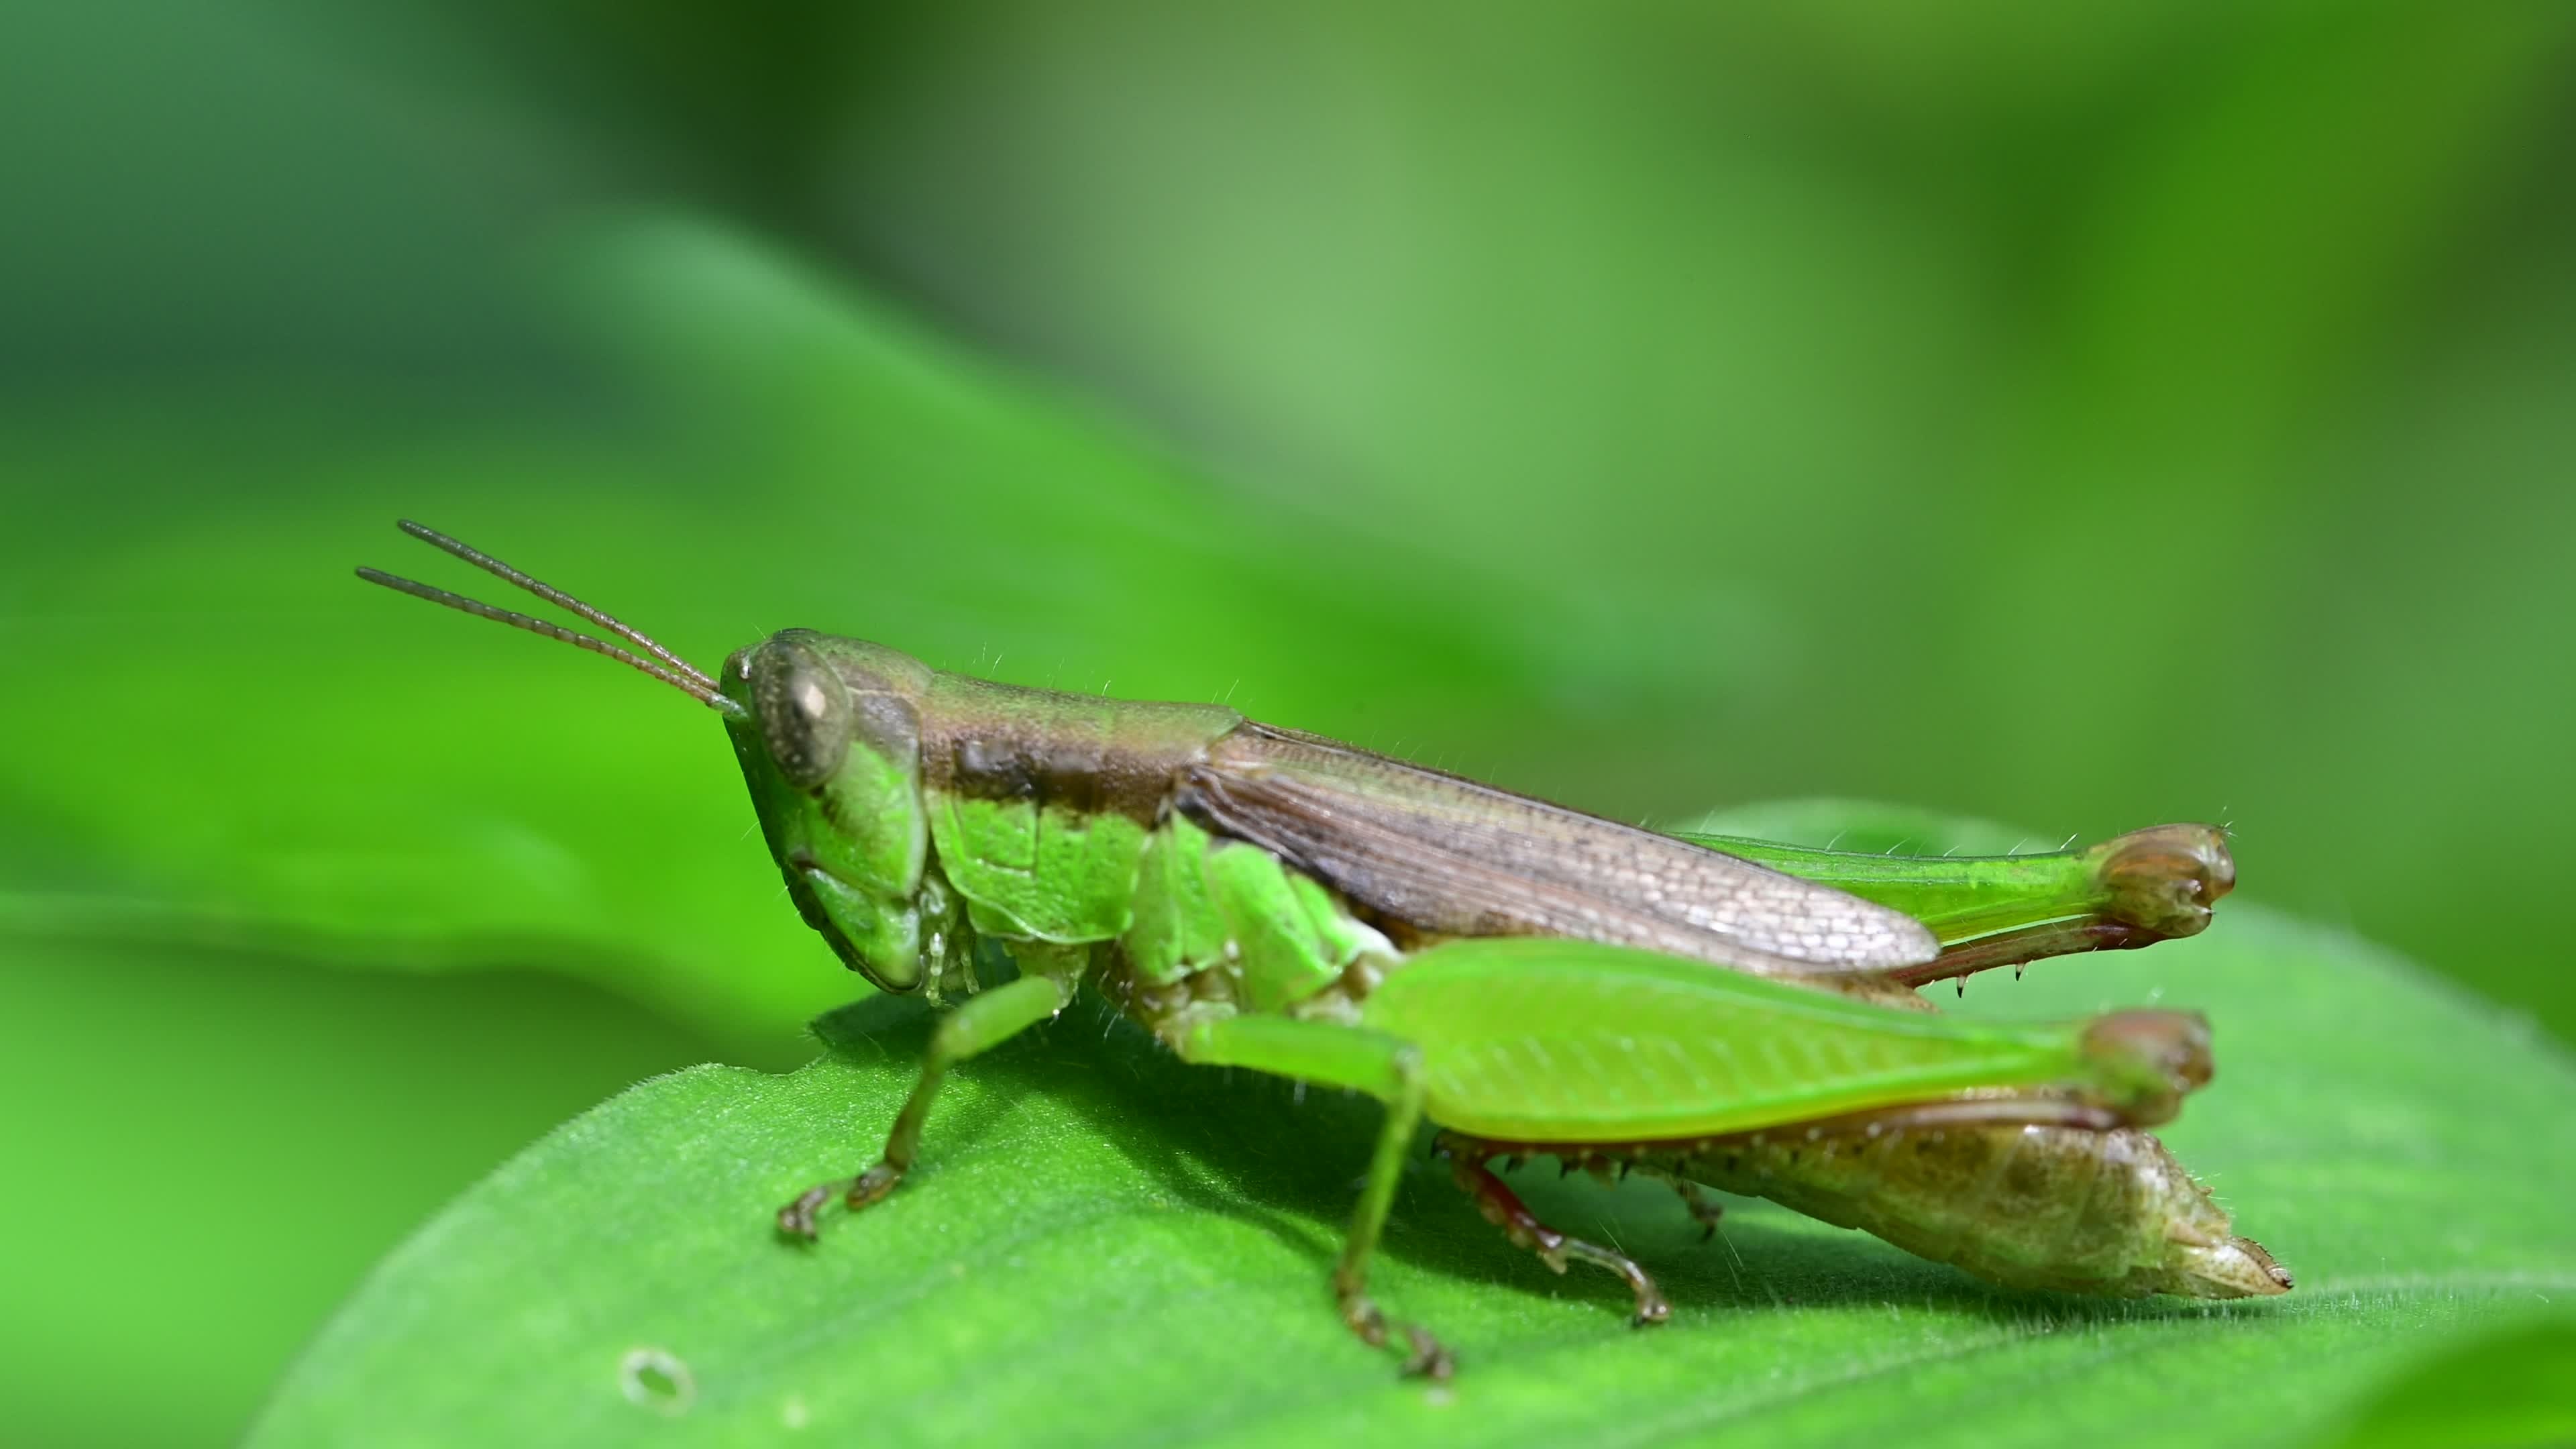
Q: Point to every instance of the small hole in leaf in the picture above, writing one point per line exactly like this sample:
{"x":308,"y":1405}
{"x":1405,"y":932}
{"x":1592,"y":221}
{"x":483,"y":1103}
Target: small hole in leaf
{"x":657,"y":1380}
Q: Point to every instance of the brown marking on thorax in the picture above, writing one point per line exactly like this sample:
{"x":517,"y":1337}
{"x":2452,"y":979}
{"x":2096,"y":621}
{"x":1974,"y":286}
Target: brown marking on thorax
{"x":1082,"y":753}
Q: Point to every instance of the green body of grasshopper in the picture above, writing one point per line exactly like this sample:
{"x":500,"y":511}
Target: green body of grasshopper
{"x":1263,"y":898}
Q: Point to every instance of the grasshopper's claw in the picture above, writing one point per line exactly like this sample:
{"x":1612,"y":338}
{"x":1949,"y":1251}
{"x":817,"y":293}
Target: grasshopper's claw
{"x":797,"y":1219}
{"x":1429,"y":1359}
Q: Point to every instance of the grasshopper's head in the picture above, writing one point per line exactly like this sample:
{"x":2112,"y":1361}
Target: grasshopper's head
{"x":2145,"y":1062}
{"x":828,"y":733}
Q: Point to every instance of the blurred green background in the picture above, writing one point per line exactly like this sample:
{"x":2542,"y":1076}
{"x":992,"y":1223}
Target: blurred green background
{"x":2078,"y":416}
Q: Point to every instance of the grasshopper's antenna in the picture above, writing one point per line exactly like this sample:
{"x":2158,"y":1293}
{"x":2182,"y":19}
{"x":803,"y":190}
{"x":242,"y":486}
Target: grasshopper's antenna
{"x":556,"y":597}
{"x":682,"y":675}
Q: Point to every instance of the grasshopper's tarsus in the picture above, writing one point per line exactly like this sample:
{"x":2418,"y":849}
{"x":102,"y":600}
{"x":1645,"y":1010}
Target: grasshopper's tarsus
{"x":1387,"y":1068}
{"x":983,"y":1022}
{"x":798,"y":1218}
{"x":1430,"y":1358}
{"x":872,"y":1186}
{"x":1504,"y":1209}
{"x":1425,"y":1356}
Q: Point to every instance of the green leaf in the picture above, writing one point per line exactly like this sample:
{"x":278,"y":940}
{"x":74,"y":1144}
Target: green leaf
{"x":246,"y":1138}
{"x":1104,"y":1245}
{"x":2506,"y":1389}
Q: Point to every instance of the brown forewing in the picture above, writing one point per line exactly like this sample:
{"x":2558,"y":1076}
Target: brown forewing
{"x":1449,"y":856}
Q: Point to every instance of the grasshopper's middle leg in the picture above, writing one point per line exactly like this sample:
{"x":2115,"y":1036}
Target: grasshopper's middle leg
{"x":985,"y":1021}
{"x":1504,"y":1209}
{"x":1382,"y":1066}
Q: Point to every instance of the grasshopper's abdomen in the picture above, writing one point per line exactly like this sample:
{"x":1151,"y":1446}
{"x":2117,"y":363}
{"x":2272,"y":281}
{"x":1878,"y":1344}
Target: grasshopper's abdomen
{"x":2023,"y":1206}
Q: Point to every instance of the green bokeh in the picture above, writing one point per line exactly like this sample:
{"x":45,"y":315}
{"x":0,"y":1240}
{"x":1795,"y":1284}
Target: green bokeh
{"x":2077,"y":417}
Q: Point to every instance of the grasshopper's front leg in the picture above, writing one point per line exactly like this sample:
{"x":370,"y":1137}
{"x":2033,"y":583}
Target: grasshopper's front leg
{"x":1383,"y":1066}
{"x":985,"y":1021}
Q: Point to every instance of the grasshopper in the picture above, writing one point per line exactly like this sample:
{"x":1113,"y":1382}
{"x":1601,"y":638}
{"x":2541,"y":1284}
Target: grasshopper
{"x":1265,"y":898}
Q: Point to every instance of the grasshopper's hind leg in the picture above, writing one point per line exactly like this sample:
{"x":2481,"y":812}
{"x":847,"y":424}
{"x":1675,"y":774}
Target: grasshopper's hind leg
{"x":985,"y":1021}
{"x":1504,"y":1209}
{"x":1386,"y":1068}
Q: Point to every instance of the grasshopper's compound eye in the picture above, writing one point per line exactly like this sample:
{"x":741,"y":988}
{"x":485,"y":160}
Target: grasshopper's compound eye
{"x":805,"y":714}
